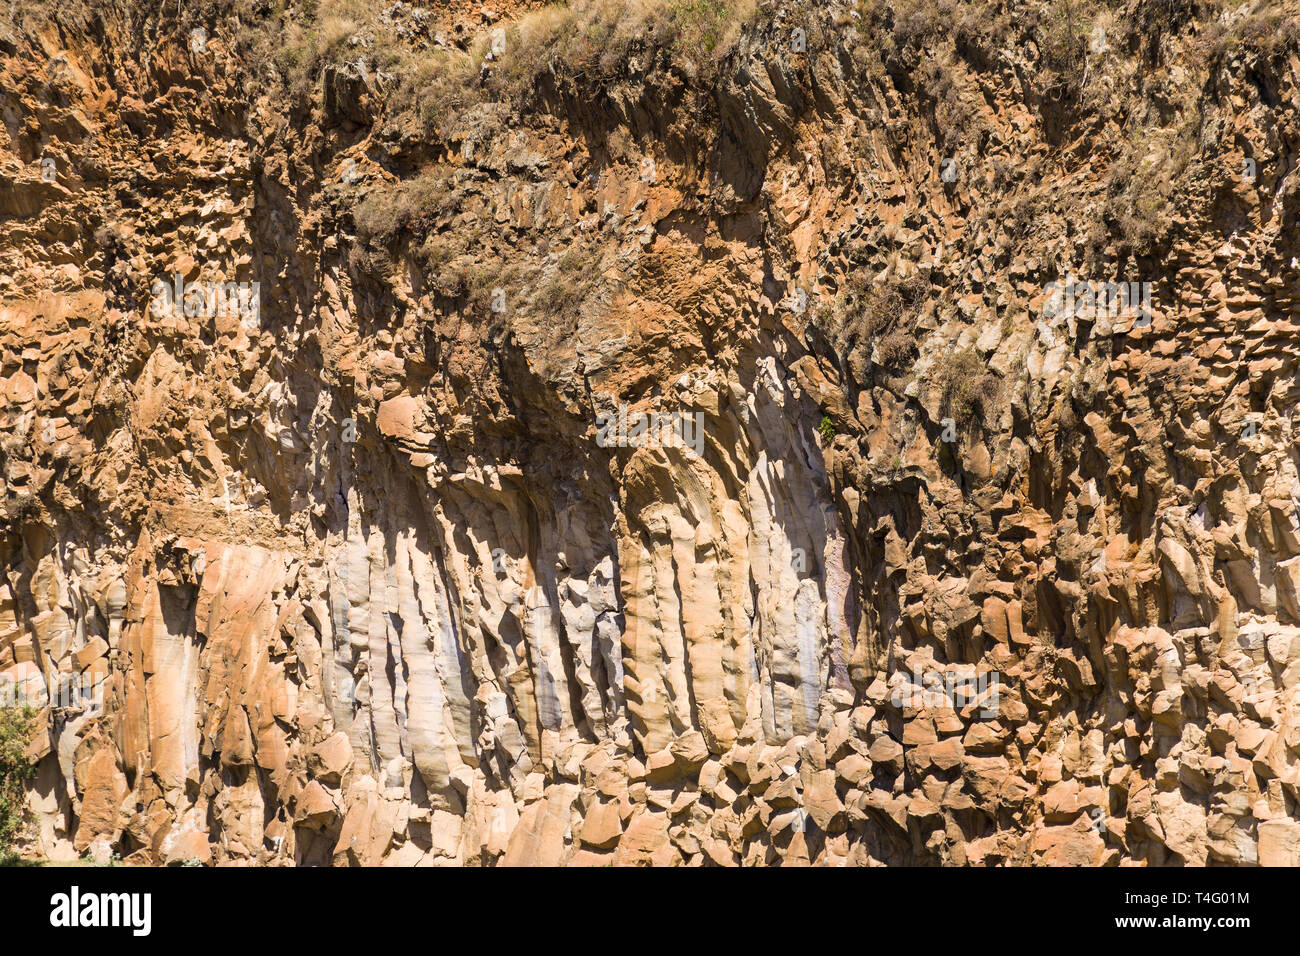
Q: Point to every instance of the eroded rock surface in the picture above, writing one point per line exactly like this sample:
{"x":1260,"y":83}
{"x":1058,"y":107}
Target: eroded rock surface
{"x":355,"y":582}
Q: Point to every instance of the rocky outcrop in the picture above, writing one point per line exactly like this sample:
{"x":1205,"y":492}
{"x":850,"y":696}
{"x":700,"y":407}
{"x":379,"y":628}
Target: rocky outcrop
{"x":654,"y":457}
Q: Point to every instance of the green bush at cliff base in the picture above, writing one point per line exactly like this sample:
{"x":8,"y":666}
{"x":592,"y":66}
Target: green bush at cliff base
{"x":16,"y":727}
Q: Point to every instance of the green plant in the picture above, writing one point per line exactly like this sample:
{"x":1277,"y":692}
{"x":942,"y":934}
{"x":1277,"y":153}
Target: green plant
{"x":827,"y":429}
{"x":956,"y":120}
{"x":701,"y":22}
{"x":17,"y":725}
{"x":1008,"y":325}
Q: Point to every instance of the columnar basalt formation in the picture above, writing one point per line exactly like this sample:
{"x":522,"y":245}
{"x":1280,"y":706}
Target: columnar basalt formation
{"x":922,"y":568}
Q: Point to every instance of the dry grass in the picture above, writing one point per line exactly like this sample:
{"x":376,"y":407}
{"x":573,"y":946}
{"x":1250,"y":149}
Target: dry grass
{"x":968,"y":391}
{"x":597,"y":39}
{"x":306,"y":46}
{"x":439,"y":87}
{"x":411,"y":206}
{"x":1063,"y":42}
{"x":873,"y":316}
{"x":1262,"y":28}
{"x":1141,"y":185}
{"x":956,"y":118}
{"x":587,"y":40}
{"x":575,"y":276}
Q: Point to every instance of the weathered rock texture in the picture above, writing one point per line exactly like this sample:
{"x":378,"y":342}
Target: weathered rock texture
{"x":361,"y":586}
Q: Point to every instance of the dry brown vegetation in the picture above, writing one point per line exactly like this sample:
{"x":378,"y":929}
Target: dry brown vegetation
{"x":387,"y":211}
{"x":873,"y":317}
{"x":589,"y":39}
{"x":968,"y":391}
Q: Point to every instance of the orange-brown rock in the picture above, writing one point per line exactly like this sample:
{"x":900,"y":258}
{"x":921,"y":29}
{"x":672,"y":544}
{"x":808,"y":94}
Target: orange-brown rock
{"x":640,"y":447}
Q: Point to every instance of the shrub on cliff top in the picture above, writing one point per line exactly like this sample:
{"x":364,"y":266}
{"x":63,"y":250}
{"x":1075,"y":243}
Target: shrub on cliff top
{"x":702,"y":24}
{"x":590,"y":39}
{"x":596,"y":39}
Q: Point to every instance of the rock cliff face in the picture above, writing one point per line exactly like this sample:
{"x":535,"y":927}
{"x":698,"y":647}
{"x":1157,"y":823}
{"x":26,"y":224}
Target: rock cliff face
{"x":662,"y":433}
